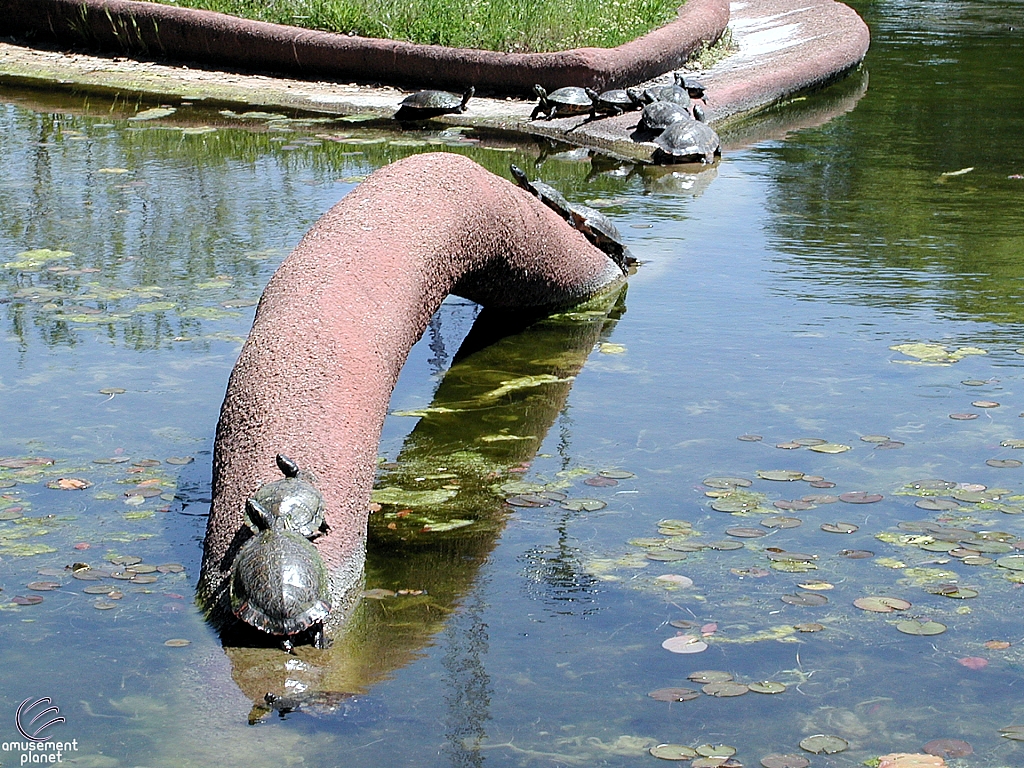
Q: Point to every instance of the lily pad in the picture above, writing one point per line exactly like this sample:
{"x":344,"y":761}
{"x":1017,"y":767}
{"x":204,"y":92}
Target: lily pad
{"x":778,"y":521}
{"x":674,"y":752}
{"x":725,"y":690}
{"x":935,"y":505}
{"x":583,"y":505}
{"x":916,"y":627}
{"x":1005,"y":463}
{"x":839,"y":527}
{"x":767,"y":686}
{"x":822,"y":744}
{"x":776,"y":760}
{"x":684,"y":644}
{"x":860,"y":497}
{"x":882,"y":604}
{"x":781,"y":475}
{"x":727,"y":482}
{"x":705,"y":676}
{"x":812,"y":599}
{"x":674,"y":694}
{"x":616,"y":474}
{"x":716,"y":750}
{"x":830,"y":448}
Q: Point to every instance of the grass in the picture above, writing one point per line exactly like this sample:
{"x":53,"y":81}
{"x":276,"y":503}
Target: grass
{"x":497,"y":25}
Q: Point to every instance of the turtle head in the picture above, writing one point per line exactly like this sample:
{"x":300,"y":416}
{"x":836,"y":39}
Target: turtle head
{"x":636,"y":95}
{"x":539,"y":92}
{"x":466,"y":96}
{"x":257,"y":517}
{"x":679,"y":77}
{"x":698,"y":113}
{"x":592,"y":94}
{"x":519,"y":176}
{"x":288,"y":467}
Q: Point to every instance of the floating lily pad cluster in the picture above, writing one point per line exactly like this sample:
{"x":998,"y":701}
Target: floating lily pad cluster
{"x":105,"y":584}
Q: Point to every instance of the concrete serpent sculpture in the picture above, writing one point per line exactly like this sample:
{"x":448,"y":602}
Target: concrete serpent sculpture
{"x":336,"y":323}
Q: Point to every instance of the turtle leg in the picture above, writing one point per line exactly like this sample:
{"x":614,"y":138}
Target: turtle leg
{"x":286,"y":645}
{"x":320,"y":637}
{"x":536,"y":111}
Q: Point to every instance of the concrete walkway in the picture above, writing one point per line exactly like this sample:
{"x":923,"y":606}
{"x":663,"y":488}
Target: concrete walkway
{"x":784,"y":47}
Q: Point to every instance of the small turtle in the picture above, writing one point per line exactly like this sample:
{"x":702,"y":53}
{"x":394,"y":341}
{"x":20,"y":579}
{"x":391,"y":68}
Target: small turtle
{"x":279,"y":582}
{"x":688,"y":142}
{"x":548,"y":195}
{"x":295,"y":498}
{"x":615,"y":102}
{"x":600,"y":231}
{"x":426,"y":104}
{"x":661,"y":114}
{"x":565,"y":101}
{"x":693,"y":86}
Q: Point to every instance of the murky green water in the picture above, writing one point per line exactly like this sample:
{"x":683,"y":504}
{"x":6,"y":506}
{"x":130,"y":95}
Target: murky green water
{"x":772,"y":293}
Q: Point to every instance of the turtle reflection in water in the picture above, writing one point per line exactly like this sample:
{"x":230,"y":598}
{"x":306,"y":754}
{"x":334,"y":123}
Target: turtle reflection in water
{"x":279,"y":582}
{"x":295,"y":498}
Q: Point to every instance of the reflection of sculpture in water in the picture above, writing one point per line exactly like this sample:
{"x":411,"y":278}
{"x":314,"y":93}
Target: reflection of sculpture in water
{"x":312,"y":382}
{"x":436,"y":570}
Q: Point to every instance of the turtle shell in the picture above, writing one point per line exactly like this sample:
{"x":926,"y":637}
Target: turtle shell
{"x":672,"y":93}
{"x":661,"y":114}
{"x":615,"y":101}
{"x":688,"y":142}
{"x":600,"y":231}
{"x":279,"y":583}
{"x":424,"y":104}
{"x":432,"y":100}
{"x":570,"y":100}
{"x":295,"y":501}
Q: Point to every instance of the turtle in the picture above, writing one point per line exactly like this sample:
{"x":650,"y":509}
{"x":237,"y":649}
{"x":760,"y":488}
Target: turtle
{"x":616,"y":101}
{"x":687,"y":142}
{"x":295,"y":498}
{"x":547,"y":194}
{"x":673,"y":92}
{"x":600,"y":231}
{"x":659,"y":115}
{"x":425,"y":104}
{"x":279,"y":582}
{"x":565,"y":101}
{"x":693,"y":86}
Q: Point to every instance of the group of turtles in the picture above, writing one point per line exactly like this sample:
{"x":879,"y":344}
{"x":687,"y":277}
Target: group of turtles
{"x":669,"y":115}
{"x":279,"y":582}
{"x":593,"y":224}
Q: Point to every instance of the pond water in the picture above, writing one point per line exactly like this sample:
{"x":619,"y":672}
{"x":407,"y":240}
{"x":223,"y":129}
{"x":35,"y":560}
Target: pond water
{"x":855,"y":283}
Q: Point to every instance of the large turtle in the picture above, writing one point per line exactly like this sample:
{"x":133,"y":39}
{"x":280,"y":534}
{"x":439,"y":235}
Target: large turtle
{"x":615,"y":101}
{"x":659,"y":115}
{"x":565,"y":101}
{"x":426,"y":104}
{"x":295,"y":498}
{"x":279,"y":582}
{"x":600,"y":231}
{"x":688,"y":142}
{"x":547,"y":194}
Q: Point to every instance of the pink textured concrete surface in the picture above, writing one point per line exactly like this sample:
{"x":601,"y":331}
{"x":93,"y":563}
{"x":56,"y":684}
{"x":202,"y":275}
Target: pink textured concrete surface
{"x":164,"y":31}
{"x":338,"y":318}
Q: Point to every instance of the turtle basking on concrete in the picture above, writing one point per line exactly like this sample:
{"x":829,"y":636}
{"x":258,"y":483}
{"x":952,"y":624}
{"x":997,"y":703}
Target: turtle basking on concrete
{"x":600,"y":231}
{"x":295,"y":498}
{"x":279,"y":582}
{"x":687,"y":142}
{"x":426,"y":104}
{"x":547,"y":194}
{"x":565,"y":101}
{"x":659,"y":115}
{"x":615,"y":101}
{"x":673,"y":92}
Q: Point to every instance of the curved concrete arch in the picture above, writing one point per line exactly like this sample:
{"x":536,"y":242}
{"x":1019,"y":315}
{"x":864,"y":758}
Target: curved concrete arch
{"x":336,"y":323}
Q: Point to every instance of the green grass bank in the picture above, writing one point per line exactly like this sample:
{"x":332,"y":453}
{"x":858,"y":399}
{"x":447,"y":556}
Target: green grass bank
{"x":519,"y":26}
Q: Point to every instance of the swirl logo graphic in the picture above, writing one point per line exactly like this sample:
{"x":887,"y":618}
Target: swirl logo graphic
{"x":30,"y":730}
